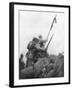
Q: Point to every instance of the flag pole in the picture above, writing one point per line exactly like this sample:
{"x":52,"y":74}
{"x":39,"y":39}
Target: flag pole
{"x":51,"y":27}
{"x":49,"y":42}
{"x":54,"y":20}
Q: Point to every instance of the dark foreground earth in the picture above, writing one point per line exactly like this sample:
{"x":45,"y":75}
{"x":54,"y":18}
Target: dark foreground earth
{"x":47,"y":67}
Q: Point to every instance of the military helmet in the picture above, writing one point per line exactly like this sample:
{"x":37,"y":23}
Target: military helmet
{"x":40,"y":36}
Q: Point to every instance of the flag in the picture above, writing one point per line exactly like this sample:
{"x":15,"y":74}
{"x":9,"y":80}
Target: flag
{"x":54,"y":20}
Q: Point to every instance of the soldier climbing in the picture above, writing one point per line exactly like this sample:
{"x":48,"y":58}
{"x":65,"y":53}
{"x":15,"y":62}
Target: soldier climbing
{"x":37,"y":48}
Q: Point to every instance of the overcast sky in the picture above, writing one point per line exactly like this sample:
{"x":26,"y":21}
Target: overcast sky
{"x":32,"y":24}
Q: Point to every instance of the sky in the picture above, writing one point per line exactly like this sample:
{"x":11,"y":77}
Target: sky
{"x":33,"y":23}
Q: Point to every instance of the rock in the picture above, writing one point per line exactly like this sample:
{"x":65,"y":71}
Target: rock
{"x":41,"y":63}
{"x":34,"y":71}
{"x":27,"y":73}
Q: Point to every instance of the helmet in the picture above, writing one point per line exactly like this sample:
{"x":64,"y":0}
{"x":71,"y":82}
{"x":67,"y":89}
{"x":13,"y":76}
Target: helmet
{"x":40,"y":36}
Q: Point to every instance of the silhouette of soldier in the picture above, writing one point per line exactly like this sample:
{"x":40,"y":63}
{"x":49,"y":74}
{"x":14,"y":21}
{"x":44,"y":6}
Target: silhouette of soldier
{"x":21,"y":63}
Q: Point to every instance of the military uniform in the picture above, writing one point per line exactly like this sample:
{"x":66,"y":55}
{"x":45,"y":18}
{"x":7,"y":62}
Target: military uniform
{"x":36,"y":50}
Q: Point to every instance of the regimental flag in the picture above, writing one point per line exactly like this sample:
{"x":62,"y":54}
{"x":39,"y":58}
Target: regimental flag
{"x":54,"y":20}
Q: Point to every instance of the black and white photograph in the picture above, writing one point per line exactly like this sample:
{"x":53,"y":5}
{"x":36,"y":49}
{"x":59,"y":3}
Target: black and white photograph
{"x":41,"y":44}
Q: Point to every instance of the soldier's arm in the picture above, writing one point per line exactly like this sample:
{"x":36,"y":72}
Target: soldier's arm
{"x":44,"y":41}
{"x":38,"y":47}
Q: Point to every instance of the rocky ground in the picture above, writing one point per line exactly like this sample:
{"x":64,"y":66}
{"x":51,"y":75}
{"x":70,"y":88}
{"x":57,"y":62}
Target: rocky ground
{"x":47,"y":67}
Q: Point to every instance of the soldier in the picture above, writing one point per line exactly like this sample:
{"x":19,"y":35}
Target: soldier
{"x":37,"y":43}
{"x":31,"y":51}
{"x":41,"y":43}
{"x":36,"y":49}
{"x":40,"y":50}
{"x":29,"y":57}
{"x":21,"y":64}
